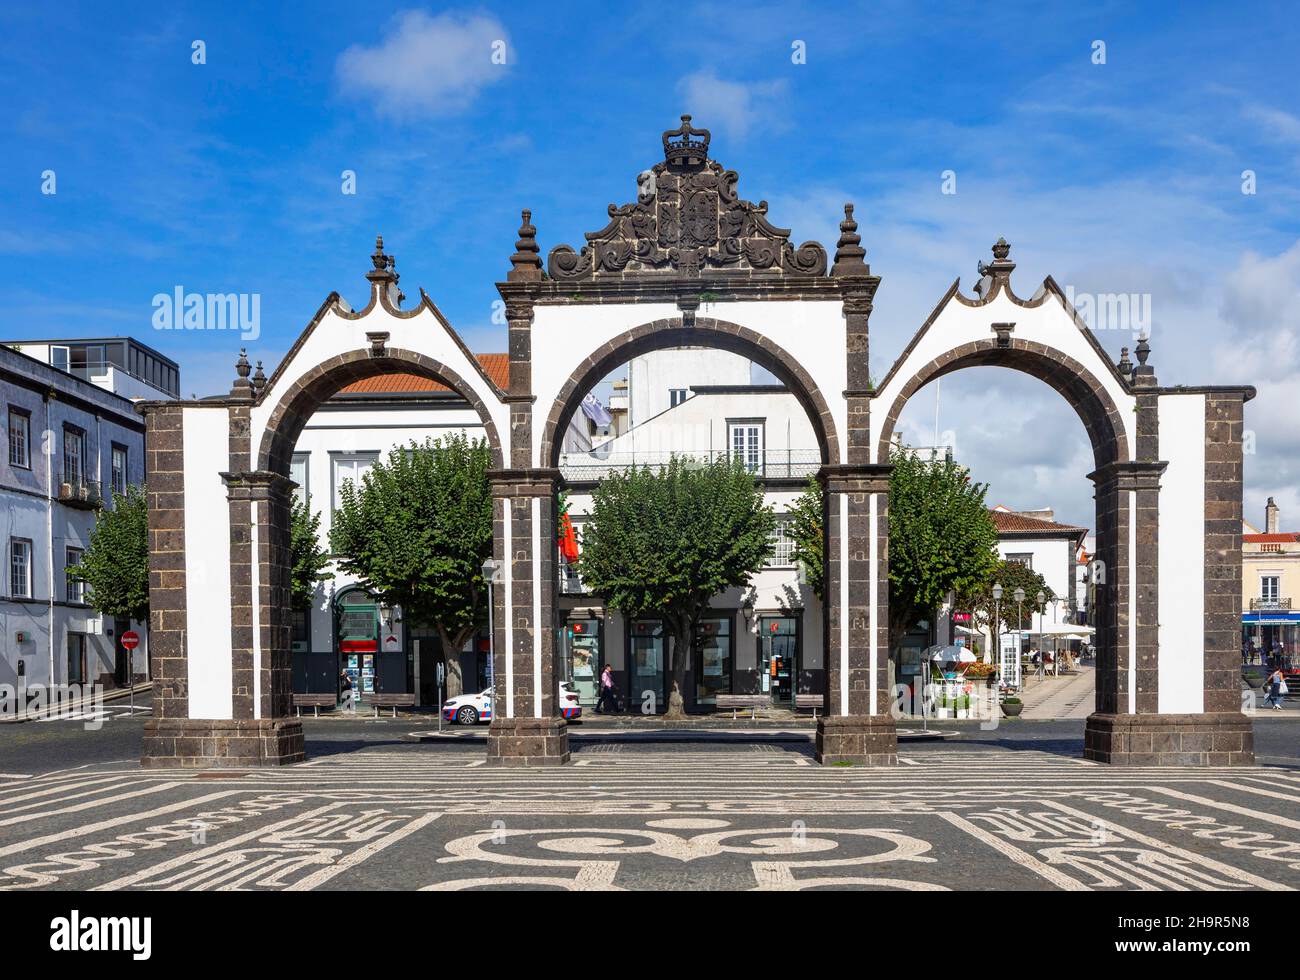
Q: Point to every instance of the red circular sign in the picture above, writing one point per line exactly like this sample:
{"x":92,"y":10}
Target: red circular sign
{"x":130,"y":639}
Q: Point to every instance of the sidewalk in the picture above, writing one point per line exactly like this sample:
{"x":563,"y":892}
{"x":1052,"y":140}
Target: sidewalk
{"x":1066,"y":696}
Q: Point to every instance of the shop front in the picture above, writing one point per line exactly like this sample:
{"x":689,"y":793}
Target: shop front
{"x":1267,"y":635}
{"x":371,"y":651}
{"x":581,"y":660}
{"x":778,"y":658}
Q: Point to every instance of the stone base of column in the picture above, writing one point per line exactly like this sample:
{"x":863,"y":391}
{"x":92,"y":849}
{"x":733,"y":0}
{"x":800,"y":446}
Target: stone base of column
{"x":528,"y":742}
{"x":1219,"y":739}
{"x":857,"y":740}
{"x":205,"y":743}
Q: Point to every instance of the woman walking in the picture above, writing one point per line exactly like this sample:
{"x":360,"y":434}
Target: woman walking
{"x":1275,"y":683}
{"x":607,"y":695}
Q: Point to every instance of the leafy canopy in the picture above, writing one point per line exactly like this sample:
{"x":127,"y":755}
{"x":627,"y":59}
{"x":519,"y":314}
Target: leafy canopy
{"x":115,"y":566}
{"x":809,"y":534}
{"x":663,"y":543}
{"x":417,"y":531}
{"x":941,"y":537}
{"x":306,"y":556}
{"x":978,"y":599}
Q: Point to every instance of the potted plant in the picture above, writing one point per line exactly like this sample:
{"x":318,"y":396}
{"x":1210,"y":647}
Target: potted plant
{"x":1011,"y":707}
{"x":963,"y":706}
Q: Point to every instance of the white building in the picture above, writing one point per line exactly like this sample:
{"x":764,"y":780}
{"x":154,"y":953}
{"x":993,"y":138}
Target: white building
{"x":72,"y":437}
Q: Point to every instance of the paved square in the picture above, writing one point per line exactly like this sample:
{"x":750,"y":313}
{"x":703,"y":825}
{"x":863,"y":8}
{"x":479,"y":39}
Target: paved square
{"x":638,"y":817}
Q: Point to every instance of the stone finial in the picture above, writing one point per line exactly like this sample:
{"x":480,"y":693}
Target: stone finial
{"x":1125,"y":366}
{"x":242,"y":387}
{"x":384,"y":270}
{"x":526,"y":263}
{"x":1144,"y":375}
{"x":259,"y":379}
{"x":1143,"y":349}
{"x":849,"y":253}
{"x":1001,"y":267}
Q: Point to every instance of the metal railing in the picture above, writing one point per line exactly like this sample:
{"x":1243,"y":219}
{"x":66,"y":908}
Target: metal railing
{"x":770,"y":464}
{"x":1271,"y":605}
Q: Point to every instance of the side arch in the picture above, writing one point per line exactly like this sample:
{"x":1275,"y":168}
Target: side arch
{"x":1075,"y":383}
{"x":301,"y":399}
{"x":707,"y":332}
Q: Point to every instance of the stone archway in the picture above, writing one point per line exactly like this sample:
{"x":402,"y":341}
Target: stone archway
{"x":220,"y":499}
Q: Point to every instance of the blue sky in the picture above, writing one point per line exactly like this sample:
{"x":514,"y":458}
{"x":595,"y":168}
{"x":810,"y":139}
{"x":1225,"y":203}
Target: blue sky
{"x":1117,"y":177}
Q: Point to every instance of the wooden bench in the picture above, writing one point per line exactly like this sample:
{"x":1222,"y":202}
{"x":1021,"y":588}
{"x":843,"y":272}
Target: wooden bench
{"x":393,"y":701}
{"x":813,"y":701}
{"x":735,"y":701}
{"x":315,"y":702}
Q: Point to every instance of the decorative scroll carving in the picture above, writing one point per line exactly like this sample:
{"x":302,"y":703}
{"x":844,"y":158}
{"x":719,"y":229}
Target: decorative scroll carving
{"x":687,"y":218}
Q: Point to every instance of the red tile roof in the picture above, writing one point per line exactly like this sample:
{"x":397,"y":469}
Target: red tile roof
{"x":1285,"y":537}
{"x":497,"y":367}
{"x":1005,"y":521}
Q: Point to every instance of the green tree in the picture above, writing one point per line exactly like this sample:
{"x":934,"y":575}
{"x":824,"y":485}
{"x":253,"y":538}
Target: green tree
{"x":416,"y":533}
{"x":977,"y":599}
{"x":941,"y":537}
{"x":808,"y":530}
{"x":115,"y":566}
{"x":306,"y":556}
{"x":663,"y":543}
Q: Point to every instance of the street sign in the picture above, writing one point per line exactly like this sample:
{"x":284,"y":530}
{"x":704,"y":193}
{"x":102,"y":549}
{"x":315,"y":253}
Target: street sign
{"x":130,"y":639}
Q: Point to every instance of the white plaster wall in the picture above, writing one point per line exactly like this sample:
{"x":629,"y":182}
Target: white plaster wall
{"x":207,"y":566}
{"x":1052,"y":559}
{"x":810,"y":332}
{"x":651,"y":377}
{"x":1048,"y":324}
{"x":1182,"y":554}
{"x":422,"y":334}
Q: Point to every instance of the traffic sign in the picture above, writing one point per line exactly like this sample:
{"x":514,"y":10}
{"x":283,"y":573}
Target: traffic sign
{"x":130,"y":639}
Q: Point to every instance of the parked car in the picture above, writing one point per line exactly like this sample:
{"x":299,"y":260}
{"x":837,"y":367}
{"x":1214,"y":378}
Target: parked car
{"x":470,"y":709}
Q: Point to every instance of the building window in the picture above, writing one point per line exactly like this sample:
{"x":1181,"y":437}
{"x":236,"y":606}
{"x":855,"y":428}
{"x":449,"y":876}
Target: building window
{"x":20,"y":568}
{"x":1024,"y":558}
{"x":119,"y":468}
{"x":676,"y":396}
{"x":298,"y":472}
{"x":76,"y":586}
{"x":746,"y":441}
{"x":20,"y":438}
{"x":1268,"y":588}
{"x":782,"y":554}
{"x":350,"y":468}
{"x":74,"y":452}
{"x":301,"y":624}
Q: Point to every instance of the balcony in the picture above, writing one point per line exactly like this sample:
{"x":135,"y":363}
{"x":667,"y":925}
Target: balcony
{"x":769,"y":465}
{"x":1281,"y":604}
{"x":76,"y":491}
{"x":570,"y":583}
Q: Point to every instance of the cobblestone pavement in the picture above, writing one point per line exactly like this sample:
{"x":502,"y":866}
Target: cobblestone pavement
{"x":677,"y":817}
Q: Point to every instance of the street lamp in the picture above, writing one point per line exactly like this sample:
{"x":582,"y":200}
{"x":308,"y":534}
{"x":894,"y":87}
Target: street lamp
{"x":997,"y":626}
{"x":1041,"y":597}
{"x":491,"y":574}
{"x":1019,"y":596}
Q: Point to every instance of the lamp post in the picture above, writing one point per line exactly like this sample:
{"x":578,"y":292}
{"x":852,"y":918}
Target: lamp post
{"x":1042,"y":597}
{"x":1019,"y":596}
{"x":491,"y":571}
{"x":995,"y":631}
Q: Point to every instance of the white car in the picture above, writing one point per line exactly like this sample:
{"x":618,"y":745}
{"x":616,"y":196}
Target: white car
{"x":470,"y":709}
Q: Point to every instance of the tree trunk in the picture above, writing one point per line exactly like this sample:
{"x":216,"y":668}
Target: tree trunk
{"x":453,"y":682}
{"x":680,"y":627}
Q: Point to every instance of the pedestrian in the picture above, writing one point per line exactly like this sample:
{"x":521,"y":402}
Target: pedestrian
{"x":1276,"y":687}
{"x":607,"y":695}
{"x":349,"y":695}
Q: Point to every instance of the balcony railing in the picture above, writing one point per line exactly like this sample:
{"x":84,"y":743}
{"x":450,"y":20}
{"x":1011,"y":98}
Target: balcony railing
{"x":771,"y":464}
{"x":1282,"y":604}
{"x":76,"y":491}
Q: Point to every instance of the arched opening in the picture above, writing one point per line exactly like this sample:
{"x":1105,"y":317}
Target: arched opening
{"x":714,"y":390}
{"x":327,"y":427}
{"x":1062,"y":538}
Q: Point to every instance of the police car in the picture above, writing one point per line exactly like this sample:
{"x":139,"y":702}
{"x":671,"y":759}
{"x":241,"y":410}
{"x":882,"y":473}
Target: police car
{"x":470,"y":709}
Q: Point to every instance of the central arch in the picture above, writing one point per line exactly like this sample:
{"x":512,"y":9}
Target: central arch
{"x":707,"y":332}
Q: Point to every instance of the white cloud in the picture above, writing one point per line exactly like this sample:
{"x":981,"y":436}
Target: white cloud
{"x":427,"y":66}
{"x":733,"y":107}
